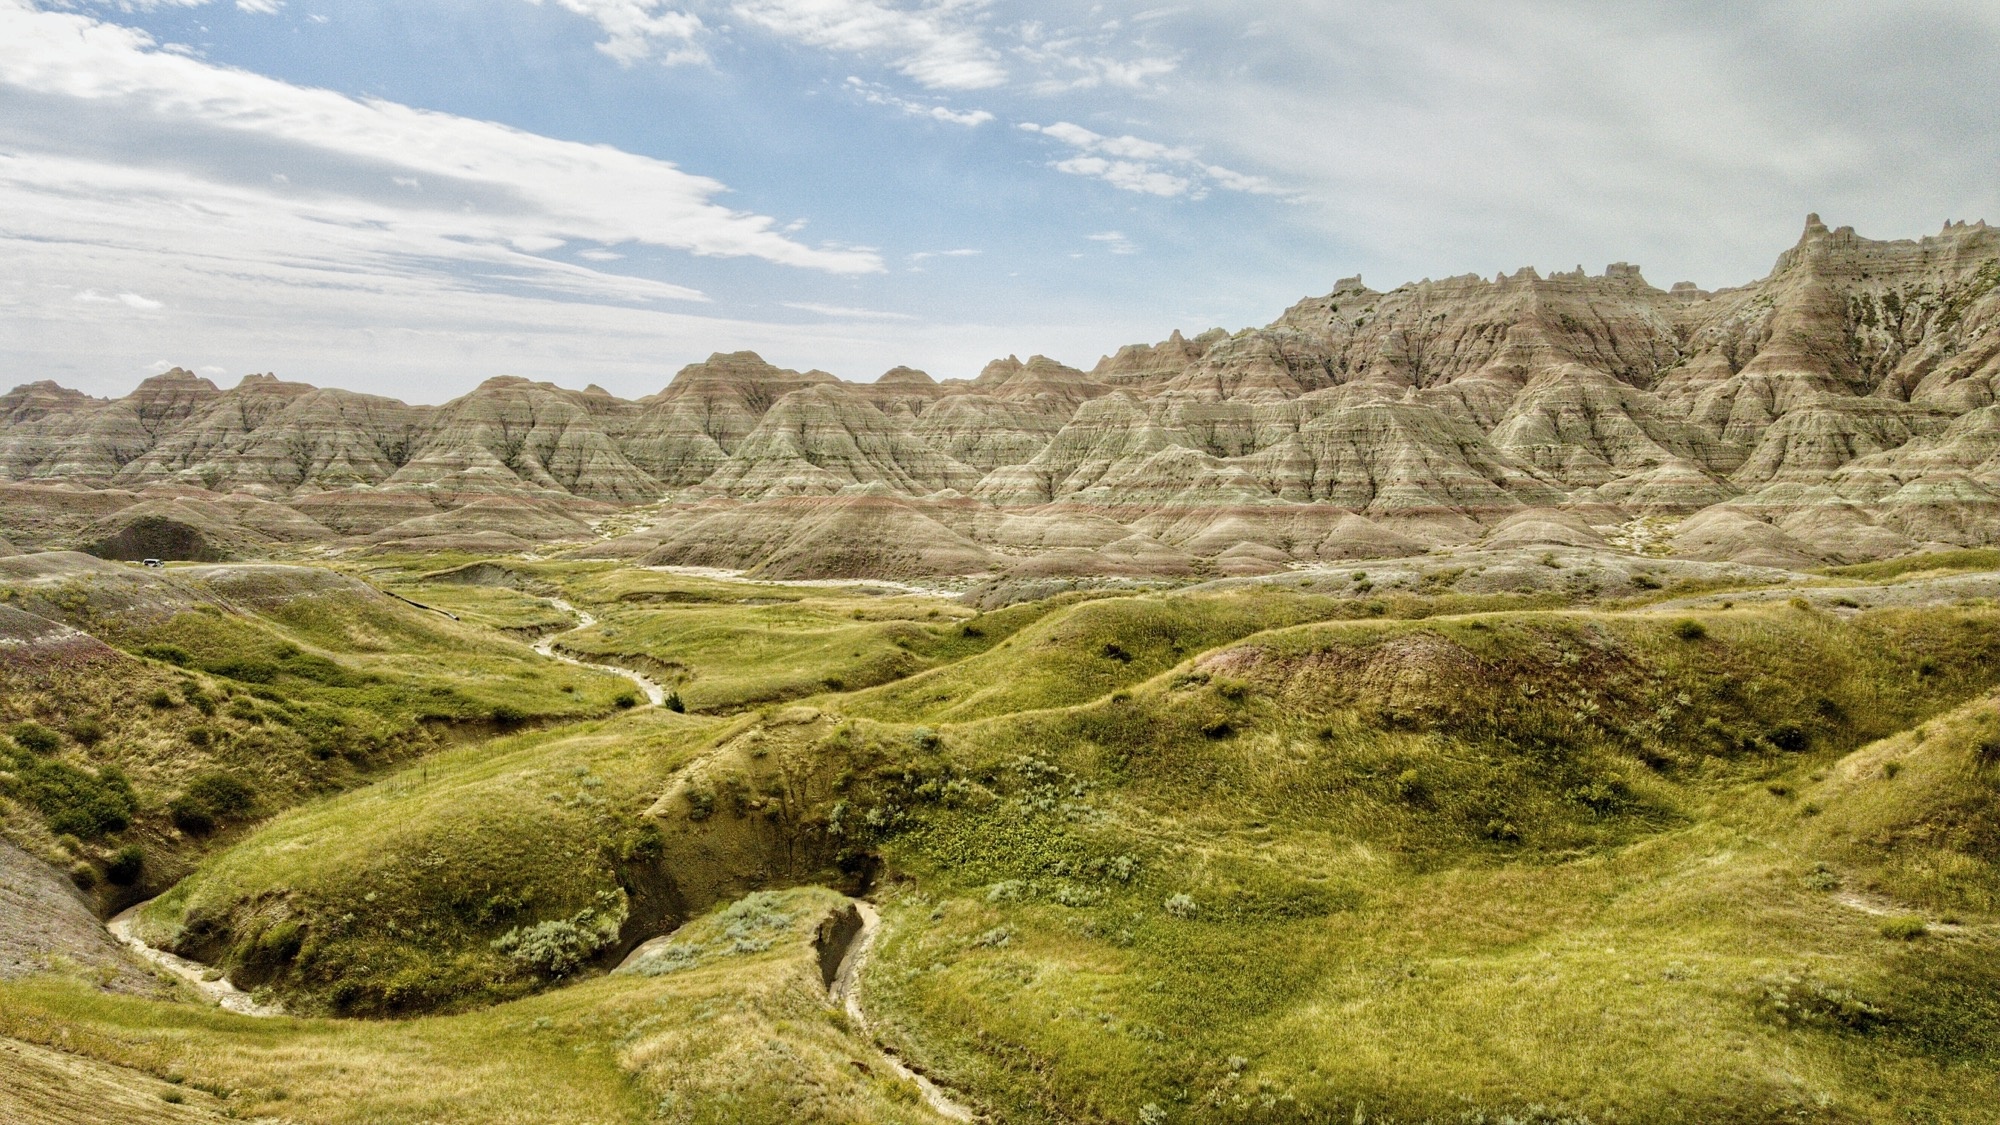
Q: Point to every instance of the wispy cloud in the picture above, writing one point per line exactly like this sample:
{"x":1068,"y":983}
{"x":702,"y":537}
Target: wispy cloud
{"x":1071,"y":59}
{"x":842,"y":312}
{"x":129,"y":300}
{"x":1148,"y":167}
{"x":937,"y":45}
{"x":1114,"y":241}
{"x":875,"y":94}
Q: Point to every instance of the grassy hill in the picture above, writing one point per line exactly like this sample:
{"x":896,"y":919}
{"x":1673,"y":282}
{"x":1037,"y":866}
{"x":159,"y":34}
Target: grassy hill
{"x":1196,"y":856}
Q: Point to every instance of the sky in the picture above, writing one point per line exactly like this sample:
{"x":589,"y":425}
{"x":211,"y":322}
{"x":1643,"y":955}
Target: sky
{"x":406,"y":197}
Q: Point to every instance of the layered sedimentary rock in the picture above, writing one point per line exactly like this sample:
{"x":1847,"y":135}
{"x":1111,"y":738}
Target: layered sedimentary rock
{"x":1841,"y":408}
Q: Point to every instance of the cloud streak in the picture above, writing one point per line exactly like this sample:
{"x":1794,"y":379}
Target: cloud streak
{"x":1134,"y":164}
{"x":874,"y":94}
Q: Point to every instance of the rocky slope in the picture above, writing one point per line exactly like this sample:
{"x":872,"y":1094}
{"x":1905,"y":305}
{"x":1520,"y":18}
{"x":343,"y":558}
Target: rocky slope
{"x":1840,"y":409}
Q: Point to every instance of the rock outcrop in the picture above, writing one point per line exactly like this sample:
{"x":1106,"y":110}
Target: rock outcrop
{"x":1842,"y":408}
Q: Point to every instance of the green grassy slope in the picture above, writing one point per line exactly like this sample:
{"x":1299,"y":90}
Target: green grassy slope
{"x":1278,"y":857}
{"x":742,"y":1033}
{"x":232,"y":693}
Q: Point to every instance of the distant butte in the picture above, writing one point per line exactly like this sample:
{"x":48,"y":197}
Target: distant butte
{"x":1840,"y":409}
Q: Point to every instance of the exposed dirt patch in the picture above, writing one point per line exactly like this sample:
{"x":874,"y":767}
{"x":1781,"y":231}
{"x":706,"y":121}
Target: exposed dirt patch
{"x":46,"y":925}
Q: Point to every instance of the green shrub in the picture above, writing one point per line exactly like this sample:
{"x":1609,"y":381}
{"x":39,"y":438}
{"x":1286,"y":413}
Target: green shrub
{"x":701,"y":804}
{"x":125,"y":867}
{"x":1907,"y":928}
{"x":87,"y":731}
{"x":1181,"y":906}
{"x":76,"y":801}
{"x":625,"y":701}
{"x":191,"y":816}
{"x":1690,"y":630}
{"x":1797,"y":1000}
{"x":560,"y":946}
{"x":507,"y":715}
{"x":171,"y":654}
{"x":37,"y":739}
{"x":224,"y":794}
{"x":1645,"y":582}
{"x":244,"y":670}
{"x":162,"y":699}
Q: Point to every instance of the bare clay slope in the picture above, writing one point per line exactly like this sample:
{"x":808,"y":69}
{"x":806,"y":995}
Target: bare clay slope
{"x":1839,"y":410}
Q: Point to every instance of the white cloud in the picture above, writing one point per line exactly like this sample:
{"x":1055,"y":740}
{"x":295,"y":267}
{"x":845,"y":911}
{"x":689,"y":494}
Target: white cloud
{"x":1148,"y":167}
{"x":1114,"y":241}
{"x":129,"y":300}
{"x":1069,"y":60}
{"x":841,"y":312}
{"x":936,"y":44}
{"x":874,"y":94}
{"x":599,"y":255}
{"x":637,"y":30}
{"x":260,"y":7}
{"x":498,"y":184}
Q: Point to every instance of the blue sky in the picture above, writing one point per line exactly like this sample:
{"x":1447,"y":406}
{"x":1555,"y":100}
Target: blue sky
{"x":408,"y":197}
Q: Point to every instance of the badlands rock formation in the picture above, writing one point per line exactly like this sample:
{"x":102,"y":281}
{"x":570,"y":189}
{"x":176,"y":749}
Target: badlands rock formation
{"x":1842,"y":408}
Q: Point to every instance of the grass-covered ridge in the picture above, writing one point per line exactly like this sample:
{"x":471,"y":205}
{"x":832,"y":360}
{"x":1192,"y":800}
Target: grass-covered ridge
{"x":216,"y":696}
{"x":1211,"y":855}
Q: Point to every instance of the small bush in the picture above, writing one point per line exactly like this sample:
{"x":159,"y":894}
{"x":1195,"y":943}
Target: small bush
{"x":87,"y":731}
{"x":1645,"y":582}
{"x":1690,"y":630}
{"x":1794,"y":1000}
{"x":190,"y":816}
{"x":1891,"y":769}
{"x":1788,"y":737}
{"x":171,"y":654}
{"x":1904,"y":929}
{"x":1822,"y":878}
{"x":1799,"y":603}
{"x":225,"y":794}
{"x":37,"y":739}
{"x":162,"y":700}
{"x":507,"y":715}
{"x":701,"y":804}
{"x":625,"y":700}
{"x":560,"y":946}
{"x":125,"y":867}
{"x":1181,"y":906}
{"x":1410,"y":787}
